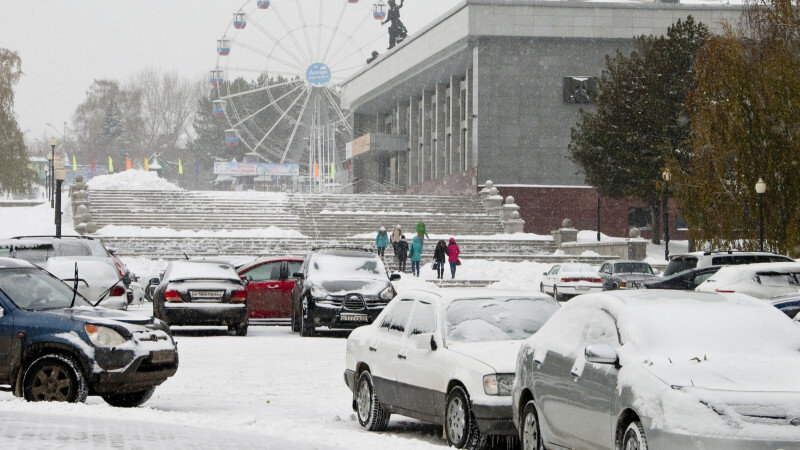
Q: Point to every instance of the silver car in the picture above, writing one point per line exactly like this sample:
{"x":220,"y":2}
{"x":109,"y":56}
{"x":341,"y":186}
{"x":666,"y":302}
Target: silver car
{"x":662,"y":370}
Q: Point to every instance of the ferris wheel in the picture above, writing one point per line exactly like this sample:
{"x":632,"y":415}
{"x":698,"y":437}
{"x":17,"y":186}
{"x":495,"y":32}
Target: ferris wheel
{"x":280,"y":64}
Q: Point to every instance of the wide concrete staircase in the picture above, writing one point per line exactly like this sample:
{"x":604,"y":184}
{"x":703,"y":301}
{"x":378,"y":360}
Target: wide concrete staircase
{"x":323,"y":219}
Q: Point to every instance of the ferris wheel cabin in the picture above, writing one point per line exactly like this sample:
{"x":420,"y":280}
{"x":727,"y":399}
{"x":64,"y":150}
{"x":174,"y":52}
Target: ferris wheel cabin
{"x":379,"y":11}
{"x":263,"y":4}
{"x":223,"y":46}
{"x":231,"y":138}
{"x":218,"y":108}
{"x":217,"y":77}
{"x":239,"y":20}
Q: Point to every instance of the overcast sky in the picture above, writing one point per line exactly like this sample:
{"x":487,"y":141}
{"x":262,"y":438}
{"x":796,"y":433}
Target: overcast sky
{"x":65,"y":45}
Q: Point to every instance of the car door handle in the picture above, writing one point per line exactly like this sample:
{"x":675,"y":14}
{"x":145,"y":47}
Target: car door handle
{"x":373,"y":349}
{"x":575,"y":375}
{"x":273,"y":287}
{"x":401,"y":356}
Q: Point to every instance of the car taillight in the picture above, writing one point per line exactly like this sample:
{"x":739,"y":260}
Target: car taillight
{"x":598,"y":280}
{"x":239,"y":296}
{"x":172,"y":296}
{"x":120,"y":269}
{"x":566,"y":280}
{"x":117,"y":291}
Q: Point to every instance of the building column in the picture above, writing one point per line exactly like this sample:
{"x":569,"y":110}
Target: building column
{"x":413,"y":141}
{"x":454,"y":161}
{"x":426,"y":133}
{"x":439,"y":140}
{"x":473,"y":107}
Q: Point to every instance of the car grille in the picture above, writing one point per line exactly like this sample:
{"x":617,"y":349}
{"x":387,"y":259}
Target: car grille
{"x":355,"y":302}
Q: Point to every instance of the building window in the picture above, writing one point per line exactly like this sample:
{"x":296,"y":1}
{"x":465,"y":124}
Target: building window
{"x":681,"y":223}
{"x":640,"y":217}
{"x":579,"y":89}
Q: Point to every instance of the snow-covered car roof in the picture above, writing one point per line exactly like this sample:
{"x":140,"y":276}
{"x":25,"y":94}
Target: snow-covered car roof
{"x":448,"y":295}
{"x":99,"y":270}
{"x":187,"y":270}
{"x":576,"y":268}
{"x":25,"y":243}
{"x":736,"y":273}
{"x":11,"y":263}
{"x":253,"y":262}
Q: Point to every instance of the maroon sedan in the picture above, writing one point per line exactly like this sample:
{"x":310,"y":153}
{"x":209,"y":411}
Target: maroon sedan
{"x":269,"y":288}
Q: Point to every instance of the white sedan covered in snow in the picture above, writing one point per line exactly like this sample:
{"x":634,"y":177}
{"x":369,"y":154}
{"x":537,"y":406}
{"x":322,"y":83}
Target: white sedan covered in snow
{"x":661,"y":369}
{"x":563,"y":281}
{"x":757,"y":280}
{"x":445,"y":357}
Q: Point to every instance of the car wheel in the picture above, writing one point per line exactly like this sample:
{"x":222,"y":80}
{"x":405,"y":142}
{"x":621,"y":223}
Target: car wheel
{"x":306,"y":325}
{"x":634,"y":438}
{"x":295,"y":320}
{"x":372,"y":415}
{"x":531,"y":439}
{"x":130,"y":399}
{"x":54,"y":378}
{"x":241,"y":329}
{"x":459,"y":422}
{"x":614,"y":287}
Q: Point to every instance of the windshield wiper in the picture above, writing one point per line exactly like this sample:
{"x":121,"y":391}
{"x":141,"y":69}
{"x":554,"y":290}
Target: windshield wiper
{"x":75,"y":287}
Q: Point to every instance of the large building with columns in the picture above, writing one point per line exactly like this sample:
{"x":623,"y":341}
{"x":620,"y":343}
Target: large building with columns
{"x":491,"y":90}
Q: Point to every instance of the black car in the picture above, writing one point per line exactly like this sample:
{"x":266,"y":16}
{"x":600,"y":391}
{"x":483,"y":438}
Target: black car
{"x":340,"y":288}
{"x":789,"y":304}
{"x":687,"y":280}
{"x":625,"y":274}
{"x":54,"y":346}
{"x":201,"y":293}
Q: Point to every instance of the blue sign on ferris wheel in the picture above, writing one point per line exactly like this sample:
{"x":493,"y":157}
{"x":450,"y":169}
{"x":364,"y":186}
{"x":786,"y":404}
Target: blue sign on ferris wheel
{"x":318,"y":74}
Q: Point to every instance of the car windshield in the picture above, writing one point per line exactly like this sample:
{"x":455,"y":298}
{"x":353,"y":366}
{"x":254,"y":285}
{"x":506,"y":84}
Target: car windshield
{"x":779,"y":279}
{"x":496,"y":319}
{"x":735,"y":260}
{"x":631,"y":267}
{"x":346,"y":267}
{"x":185,"y":270}
{"x":680,"y":264}
{"x":33,"y":289}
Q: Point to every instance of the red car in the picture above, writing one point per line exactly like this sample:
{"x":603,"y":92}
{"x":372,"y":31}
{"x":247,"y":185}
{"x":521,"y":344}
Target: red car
{"x":269,"y":288}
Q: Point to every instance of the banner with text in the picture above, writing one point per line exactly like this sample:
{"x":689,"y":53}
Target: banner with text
{"x":256,"y":169}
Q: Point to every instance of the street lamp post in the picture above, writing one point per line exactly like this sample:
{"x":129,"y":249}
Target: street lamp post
{"x":761,"y":188}
{"x":59,"y":175}
{"x":667,"y":177}
{"x":598,"y":215}
{"x":52,"y":157}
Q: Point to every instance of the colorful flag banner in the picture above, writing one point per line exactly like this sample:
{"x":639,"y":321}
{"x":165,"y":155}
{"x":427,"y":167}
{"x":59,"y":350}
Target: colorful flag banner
{"x":94,"y":168}
{"x":333,"y":172}
{"x":110,"y":165}
{"x":316,"y":170}
{"x":146,"y":165}
{"x":74,"y":164}
{"x":180,"y":167}
{"x":127,"y":163}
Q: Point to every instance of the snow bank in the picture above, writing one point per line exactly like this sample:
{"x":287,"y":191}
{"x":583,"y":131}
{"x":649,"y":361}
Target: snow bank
{"x":132,"y":180}
{"x":34,"y":220}
{"x":132,"y":231}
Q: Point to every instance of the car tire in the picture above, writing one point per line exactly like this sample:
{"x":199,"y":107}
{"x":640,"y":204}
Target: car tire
{"x":460,"y":426}
{"x":55,"y":378}
{"x":372,"y":415}
{"x":130,"y":399}
{"x":634,"y":438}
{"x":530,"y":434}
{"x":614,"y":287}
{"x":306,"y":326}
{"x":241,"y":329}
{"x":295,"y":320}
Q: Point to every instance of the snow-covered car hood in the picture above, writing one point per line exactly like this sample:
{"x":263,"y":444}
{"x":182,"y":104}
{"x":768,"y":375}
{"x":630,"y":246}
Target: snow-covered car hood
{"x":733,"y":375}
{"x":343,"y":287}
{"x":100,"y":315}
{"x":499,"y":355}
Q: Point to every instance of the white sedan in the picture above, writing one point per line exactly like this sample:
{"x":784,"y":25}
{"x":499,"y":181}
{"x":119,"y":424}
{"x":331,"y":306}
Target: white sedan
{"x":757,"y":280}
{"x":445,"y":357}
{"x":568,"y":280}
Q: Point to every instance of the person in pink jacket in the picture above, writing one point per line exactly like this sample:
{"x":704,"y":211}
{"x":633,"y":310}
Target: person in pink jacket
{"x":452,"y":256}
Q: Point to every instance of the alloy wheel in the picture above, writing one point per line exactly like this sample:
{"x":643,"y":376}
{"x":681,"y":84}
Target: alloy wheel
{"x":52,"y":383}
{"x":530,"y":432}
{"x":456,"y":420}
{"x":364,"y":401}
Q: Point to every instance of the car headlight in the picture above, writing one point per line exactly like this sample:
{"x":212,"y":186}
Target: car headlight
{"x":498,"y":384}
{"x":104,"y":336}
{"x":388,"y":293}
{"x":318,"y":292}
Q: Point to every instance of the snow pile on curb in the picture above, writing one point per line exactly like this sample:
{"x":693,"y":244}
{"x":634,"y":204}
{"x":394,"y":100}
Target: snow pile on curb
{"x":132,"y":180}
{"x":132,"y":231}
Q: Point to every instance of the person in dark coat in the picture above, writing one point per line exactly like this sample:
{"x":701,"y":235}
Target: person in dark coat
{"x":439,"y":255}
{"x":396,"y":29}
{"x":401,"y":253}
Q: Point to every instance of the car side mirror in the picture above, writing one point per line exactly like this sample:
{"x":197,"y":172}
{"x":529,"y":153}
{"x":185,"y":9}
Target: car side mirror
{"x":394,"y":277}
{"x":544,"y":273}
{"x":298,"y":276}
{"x":601,"y":354}
{"x":244,"y":280}
{"x":434,"y":345}
{"x":155,"y":280}
{"x":112,"y":251}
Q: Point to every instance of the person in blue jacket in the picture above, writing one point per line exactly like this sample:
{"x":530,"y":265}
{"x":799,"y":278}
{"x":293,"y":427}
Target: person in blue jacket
{"x":415,"y":255}
{"x":382,"y":241}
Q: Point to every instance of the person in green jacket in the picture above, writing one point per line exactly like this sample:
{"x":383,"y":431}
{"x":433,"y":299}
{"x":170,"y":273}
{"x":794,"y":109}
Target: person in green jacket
{"x":421,"y":233}
{"x":415,"y":255}
{"x":382,"y":241}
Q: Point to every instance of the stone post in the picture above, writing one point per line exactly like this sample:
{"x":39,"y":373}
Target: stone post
{"x":565,"y":234}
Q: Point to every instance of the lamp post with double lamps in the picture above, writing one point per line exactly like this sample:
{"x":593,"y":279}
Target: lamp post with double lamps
{"x":667,"y":176}
{"x":59,"y":174}
{"x":761,"y":188}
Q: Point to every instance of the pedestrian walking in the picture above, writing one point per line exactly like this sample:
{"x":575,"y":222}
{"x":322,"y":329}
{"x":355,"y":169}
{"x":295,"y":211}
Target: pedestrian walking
{"x":415,"y":255}
{"x":396,"y":235}
{"x":401,"y":253}
{"x":421,"y":233}
{"x":452,"y":256}
{"x":382,"y":241}
{"x":439,"y":255}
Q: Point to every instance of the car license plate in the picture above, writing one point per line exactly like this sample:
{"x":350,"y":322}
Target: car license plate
{"x":582,"y":288}
{"x":162,"y":356}
{"x":353,"y":318}
{"x":208,"y":296}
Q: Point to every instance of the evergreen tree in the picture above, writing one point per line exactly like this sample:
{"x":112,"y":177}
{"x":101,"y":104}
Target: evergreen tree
{"x":640,"y":123}
{"x":14,"y":173}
